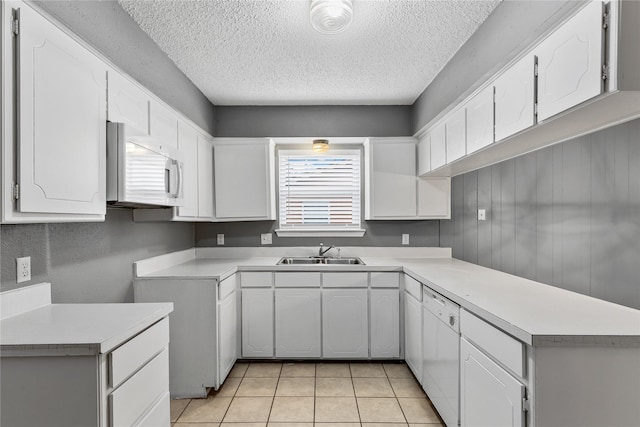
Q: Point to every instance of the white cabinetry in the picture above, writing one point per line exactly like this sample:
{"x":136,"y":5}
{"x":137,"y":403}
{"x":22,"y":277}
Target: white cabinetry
{"x":480,"y":120}
{"x":385,"y":322}
{"x":244,"y":179}
{"x":298,"y":323}
{"x":163,"y":124}
{"x":257,"y":322}
{"x":345,"y":323}
{"x":515,"y":95}
{"x":424,"y":154}
{"x":188,"y":146}
{"x":127,"y":102}
{"x":413,"y":326}
{"x":438,"y":137}
{"x":570,"y":62}
{"x":456,"y":135}
{"x":227,"y":327}
{"x":205,"y":178}
{"x":392,"y":189}
{"x":57,"y":118}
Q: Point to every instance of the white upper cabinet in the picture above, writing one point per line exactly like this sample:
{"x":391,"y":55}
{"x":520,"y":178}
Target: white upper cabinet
{"x":438,"y":138}
{"x":127,"y":102}
{"x":480,"y":120}
{"x":570,"y":62}
{"x":244,"y":179}
{"x":188,"y":146}
{"x":60,"y":150}
{"x":205,"y":177}
{"x":390,"y":168}
{"x":424,"y":154}
{"x":514,"y":98}
{"x":163,"y":124}
{"x":456,"y":131}
{"x":434,"y":198}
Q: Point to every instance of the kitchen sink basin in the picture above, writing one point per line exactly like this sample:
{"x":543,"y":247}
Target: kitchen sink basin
{"x":320,"y":261}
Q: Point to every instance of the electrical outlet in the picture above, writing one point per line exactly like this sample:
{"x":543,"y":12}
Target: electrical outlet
{"x":482,"y":214}
{"x":220,"y":239}
{"x":23,"y":269}
{"x":265,"y":239}
{"x":405,"y":239}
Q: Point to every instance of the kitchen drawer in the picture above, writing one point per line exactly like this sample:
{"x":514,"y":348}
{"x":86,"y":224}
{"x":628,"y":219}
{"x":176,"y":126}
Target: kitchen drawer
{"x":159,"y":415}
{"x":298,"y":280}
{"x":385,"y":280}
{"x":259,"y":279}
{"x":344,"y":280}
{"x":137,"y":395}
{"x":412,"y":286}
{"x":131,"y":356}
{"x":502,"y":347}
{"x":226,"y":287}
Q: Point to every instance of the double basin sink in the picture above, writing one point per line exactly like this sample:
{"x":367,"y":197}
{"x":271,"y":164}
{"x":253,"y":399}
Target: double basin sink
{"x":320,"y":260}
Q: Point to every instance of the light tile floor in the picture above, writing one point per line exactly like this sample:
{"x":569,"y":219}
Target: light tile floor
{"x":306,"y":394}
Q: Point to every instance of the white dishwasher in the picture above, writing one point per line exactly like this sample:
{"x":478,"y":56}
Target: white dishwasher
{"x":441,"y":354}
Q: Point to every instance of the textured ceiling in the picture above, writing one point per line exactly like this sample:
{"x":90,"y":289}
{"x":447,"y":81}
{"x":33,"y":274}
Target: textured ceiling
{"x":243,"y":52}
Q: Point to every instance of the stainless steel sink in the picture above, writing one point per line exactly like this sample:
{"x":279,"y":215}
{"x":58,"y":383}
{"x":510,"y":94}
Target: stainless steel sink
{"x":320,"y":261}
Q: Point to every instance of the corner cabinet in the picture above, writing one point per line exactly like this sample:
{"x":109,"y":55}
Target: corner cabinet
{"x":55,"y":171}
{"x":244,"y":181}
{"x":392,"y":189}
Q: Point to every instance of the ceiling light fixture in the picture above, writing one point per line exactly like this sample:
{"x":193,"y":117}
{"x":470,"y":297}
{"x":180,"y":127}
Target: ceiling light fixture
{"x":320,"y":145}
{"x":331,"y":16}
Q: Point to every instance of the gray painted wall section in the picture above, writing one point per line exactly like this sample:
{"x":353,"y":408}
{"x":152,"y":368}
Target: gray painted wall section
{"x":109,"y":29}
{"x":512,"y":26}
{"x":567,"y":215}
{"x":278,"y":121}
{"x":379,"y":233}
{"x":88,"y":262}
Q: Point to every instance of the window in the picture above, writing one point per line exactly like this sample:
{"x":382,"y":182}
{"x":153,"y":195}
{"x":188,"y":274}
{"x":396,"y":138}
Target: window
{"x":319,"y":194}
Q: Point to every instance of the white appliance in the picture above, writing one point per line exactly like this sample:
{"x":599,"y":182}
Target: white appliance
{"x":141,"y":171}
{"x":441,"y":354}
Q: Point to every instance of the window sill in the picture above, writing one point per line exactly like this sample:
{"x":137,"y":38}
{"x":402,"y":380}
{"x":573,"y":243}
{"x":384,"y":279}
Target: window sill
{"x":320,"y":233}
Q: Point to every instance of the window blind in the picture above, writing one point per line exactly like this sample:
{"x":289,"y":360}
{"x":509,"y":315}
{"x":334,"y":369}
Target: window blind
{"x":319,"y":191}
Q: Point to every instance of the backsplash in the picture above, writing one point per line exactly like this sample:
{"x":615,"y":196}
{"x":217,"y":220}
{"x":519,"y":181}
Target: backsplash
{"x":567,"y":215}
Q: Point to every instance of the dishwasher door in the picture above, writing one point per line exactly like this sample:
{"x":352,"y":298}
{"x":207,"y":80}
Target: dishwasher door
{"x":441,"y":354}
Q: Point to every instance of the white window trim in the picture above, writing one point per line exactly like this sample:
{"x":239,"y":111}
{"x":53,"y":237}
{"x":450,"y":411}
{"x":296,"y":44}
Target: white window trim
{"x":288,"y":146}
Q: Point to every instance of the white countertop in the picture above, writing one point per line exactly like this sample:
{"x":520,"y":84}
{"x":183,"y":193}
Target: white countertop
{"x":533,"y":312}
{"x":96,"y":327}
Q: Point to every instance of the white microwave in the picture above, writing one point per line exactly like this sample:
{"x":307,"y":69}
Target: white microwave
{"x":141,"y":171}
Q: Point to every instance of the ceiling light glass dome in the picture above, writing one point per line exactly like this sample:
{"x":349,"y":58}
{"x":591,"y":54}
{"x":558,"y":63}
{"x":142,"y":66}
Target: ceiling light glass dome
{"x":331,"y":16}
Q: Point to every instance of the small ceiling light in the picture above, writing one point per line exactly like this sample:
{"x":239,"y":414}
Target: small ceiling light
{"x":331,"y":16}
{"x":320,"y":145}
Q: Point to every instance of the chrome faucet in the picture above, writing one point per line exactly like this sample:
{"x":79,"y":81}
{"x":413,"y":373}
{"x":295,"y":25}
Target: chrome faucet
{"x":323,"y":251}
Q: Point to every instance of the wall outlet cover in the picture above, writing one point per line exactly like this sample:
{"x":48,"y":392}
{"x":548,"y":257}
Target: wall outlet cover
{"x":23,"y":269}
{"x":405,"y":239}
{"x":266,"y":239}
{"x":482,"y":214}
{"x":220,"y":239}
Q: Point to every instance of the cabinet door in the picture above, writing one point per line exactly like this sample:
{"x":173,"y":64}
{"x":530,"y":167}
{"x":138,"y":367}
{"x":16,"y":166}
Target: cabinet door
{"x":413,"y":335}
{"x":480,"y":120}
{"x":188,"y":146}
{"x":62,"y":121}
{"x":127,"y":103}
{"x":489,"y":396}
{"x":243,"y":180}
{"x":424,"y":155}
{"x":392,"y":185}
{"x":385,"y":323}
{"x":438,"y":147}
{"x":345,"y":323}
{"x":298,"y":323}
{"x":205,"y":178}
{"x":227,"y":332}
{"x":434,"y":197}
{"x":570,"y":62}
{"x":163,"y":124}
{"x":257,"y":323}
{"x":514,"y":98}
{"x":456,"y":131}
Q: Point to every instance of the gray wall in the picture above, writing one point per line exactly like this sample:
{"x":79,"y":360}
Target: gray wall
{"x":108,"y":28}
{"x":512,"y":26}
{"x":567,"y":215}
{"x":88,"y":262}
{"x":357,"y":120}
{"x":379,"y":233}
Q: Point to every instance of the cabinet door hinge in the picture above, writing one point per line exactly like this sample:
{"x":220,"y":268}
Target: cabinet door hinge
{"x":605,"y":20}
{"x":15,"y":26}
{"x":525,"y":405}
{"x":535,"y":70}
{"x":535,"y":109}
{"x":605,"y":72}
{"x":15,"y":191}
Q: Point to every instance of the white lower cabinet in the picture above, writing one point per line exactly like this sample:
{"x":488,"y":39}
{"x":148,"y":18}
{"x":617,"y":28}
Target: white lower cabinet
{"x":413,"y":334}
{"x":384,"y":322}
{"x":490,"y":396}
{"x":257,"y":322}
{"x":345,"y":323}
{"x":298,"y":323}
{"x":227,"y":327}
